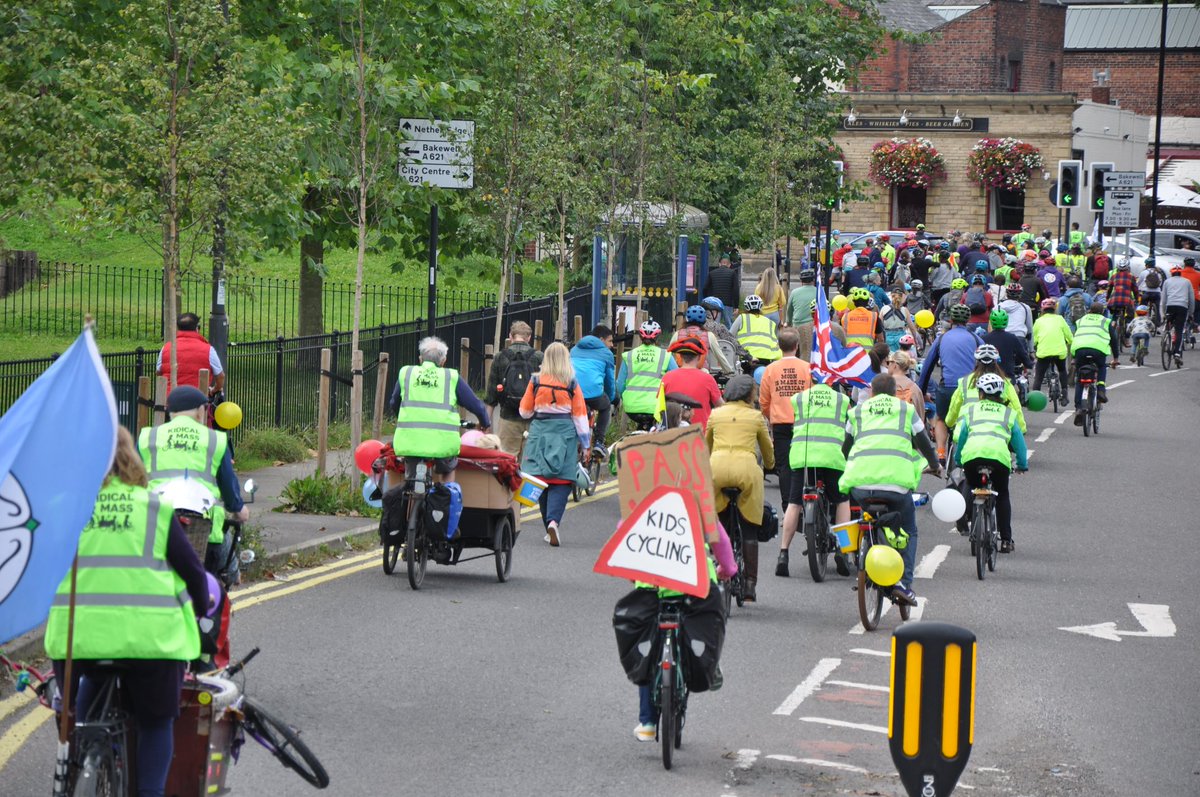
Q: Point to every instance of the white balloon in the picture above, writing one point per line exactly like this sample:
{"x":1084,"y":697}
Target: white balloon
{"x":948,"y":505}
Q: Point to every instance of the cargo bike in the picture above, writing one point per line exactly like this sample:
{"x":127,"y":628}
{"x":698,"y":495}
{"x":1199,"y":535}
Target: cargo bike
{"x":419,"y":515}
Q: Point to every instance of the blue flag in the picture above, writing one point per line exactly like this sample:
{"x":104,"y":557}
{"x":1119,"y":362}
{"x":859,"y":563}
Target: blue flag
{"x":56,"y":447}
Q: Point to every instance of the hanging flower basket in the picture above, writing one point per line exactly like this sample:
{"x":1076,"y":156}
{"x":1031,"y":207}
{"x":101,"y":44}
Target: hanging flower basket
{"x":909,"y":163}
{"x":1003,"y":163}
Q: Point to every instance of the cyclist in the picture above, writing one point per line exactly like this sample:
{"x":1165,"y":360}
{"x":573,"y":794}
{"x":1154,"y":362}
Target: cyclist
{"x":1051,"y":343}
{"x":1190,"y":274}
{"x":988,"y":433}
{"x":696,"y":326}
{"x":1013,"y":351}
{"x":1024,"y":235}
{"x":1150,"y":284}
{"x":955,"y":351}
{"x":756,"y":332}
{"x":815,"y":455}
{"x":690,"y":380}
{"x":595,"y":368}
{"x":734,"y":431}
{"x":862,"y":324}
{"x":780,"y":381}
{"x":987,"y":361}
{"x":941,"y":278}
{"x":1123,"y":293}
{"x":1075,"y":303}
{"x":1076,"y":262}
{"x":1094,"y":342}
{"x":949,"y":299}
{"x":797,"y":304}
{"x":884,"y":437}
{"x":1061,"y":259}
{"x":1051,"y":273}
{"x":1178,"y":304}
{"x":856,"y":277}
{"x":641,"y":373}
{"x":979,"y":300}
{"x":1033,"y":290}
{"x":917,"y":300}
{"x":1140,"y":330}
{"x":141,"y":616}
{"x":716,"y":327}
{"x":1020,"y":317}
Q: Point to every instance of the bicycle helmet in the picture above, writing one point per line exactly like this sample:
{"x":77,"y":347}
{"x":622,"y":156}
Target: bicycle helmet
{"x":958,"y":284}
{"x":812,"y":306}
{"x":1014,"y":290}
{"x":1049,"y":304}
{"x":860,"y":295}
{"x":1043,"y":253}
{"x":1061,"y":247}
{"x":1187,"y":261}
{"x":885,"y":237}
{"x":990,"y":384}
{"x":944,"y":246}
{"x":1102,"y":284}
{"x":979,"y":279}
{"x":753,"y":302}
{"x":1029,"y":267}
{"x":959,"y":313}
{"x":807,"y":274}
{"x":987,"y":353}
{"x":982,"y":265}
{"x":910,"y":236}
{"x":1176,"y":271}
{"x":695,"y":314}
{"x":999,"y":319}
{"x":712,"y":303}
{"x":1142,"y":310}
{"x":1123,"y":264}
{"x":650,"y":330}
{"x":907,"y":340}
{"x":687,"y":344}
{"x":878,"y":266}
{"x":1150,"y":261}
{"x":863,"y":261}
{"x":917,"y":285}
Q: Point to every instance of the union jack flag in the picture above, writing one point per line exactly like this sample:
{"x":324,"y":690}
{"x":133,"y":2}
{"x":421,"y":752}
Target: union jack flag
{"x":833,"y":363}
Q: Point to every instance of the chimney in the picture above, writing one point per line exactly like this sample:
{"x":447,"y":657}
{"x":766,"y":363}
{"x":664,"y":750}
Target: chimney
{"x":1100,"y":95}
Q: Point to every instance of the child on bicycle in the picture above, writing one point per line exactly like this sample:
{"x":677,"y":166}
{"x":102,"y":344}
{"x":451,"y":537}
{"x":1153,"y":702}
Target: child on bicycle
{"x":1140,"y":330}
{"x":1051,"y":343}
{"x":986,"y":436}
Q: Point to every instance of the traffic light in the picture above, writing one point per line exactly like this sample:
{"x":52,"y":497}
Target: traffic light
{"x":1070,"y":181}
{"x":1096,"y":185}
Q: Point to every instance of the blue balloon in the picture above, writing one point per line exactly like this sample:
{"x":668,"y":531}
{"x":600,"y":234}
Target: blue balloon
{"x":368,"y":489}
{"x":758,"y":374}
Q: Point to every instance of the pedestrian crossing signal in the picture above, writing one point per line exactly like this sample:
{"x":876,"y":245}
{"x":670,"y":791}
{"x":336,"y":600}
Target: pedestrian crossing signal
{"x":931,"y":706}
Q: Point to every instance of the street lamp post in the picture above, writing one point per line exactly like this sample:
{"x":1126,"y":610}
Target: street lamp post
{"x":1162,"y":63}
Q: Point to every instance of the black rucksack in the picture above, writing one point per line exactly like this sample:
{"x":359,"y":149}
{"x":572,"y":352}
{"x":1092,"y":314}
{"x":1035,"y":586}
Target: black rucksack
{"x":515,"y":380}
{"x":1077,"y":306}
{"x":1153,"y":279}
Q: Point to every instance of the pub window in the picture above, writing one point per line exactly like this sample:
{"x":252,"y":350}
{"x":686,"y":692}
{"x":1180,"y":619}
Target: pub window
{"x":908,"y":207}
{"x":1007,"y":209}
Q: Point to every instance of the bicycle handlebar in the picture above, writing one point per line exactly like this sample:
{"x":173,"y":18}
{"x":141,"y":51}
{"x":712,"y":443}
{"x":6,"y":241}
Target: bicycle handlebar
{"x":235,"y":668}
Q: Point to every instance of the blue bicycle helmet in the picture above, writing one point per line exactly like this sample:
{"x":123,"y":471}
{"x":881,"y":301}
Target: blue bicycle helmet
{"x":1061,"y":247}
{"x":713,"y":303}
{"x":695,"y":314}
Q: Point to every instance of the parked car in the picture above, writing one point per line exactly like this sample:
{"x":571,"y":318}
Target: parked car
{"x":1168,"y":239}
{"x":860,"y":240}
{"x":1136,"y":254}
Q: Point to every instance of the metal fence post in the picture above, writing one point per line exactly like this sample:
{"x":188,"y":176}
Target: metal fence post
{"x":333,"y":369}
{"x":279,"y":381}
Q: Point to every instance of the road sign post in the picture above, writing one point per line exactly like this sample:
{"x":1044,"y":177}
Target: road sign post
{"x":931,"y":706}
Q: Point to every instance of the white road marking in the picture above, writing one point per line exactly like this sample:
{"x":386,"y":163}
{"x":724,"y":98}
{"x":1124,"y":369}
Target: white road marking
{"x":809,"y":685}
{"x":1155,"y":619}
{"x":868,"y":652}
{"x":1028,"y":453}
{"x":746,"y":758}
{"x":1063,"y":416}
{"x":1119,"y":384}
{"x":1045,"y":435}
{"x":989,"y":769}
{"x":819,"y":762}
{"x":858,"y":726}
{"x":931,"y":561}
{"x":856,"y":685}
{"x":1164,"y":373}
{"x":915,"y":613}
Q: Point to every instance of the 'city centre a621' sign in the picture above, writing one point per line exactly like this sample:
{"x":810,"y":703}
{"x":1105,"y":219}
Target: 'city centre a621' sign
{"x":963,"y":125}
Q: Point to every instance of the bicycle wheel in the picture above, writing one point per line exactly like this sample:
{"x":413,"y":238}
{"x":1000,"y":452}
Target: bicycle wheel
{"x":283,"y":742}
{"x":1141,"y":356}
{"x":417,"y":555}
{"x":97,"y":774}
{"x":391,"y":554}
{"x":594,"y":465}
{"x":816,"y":538}
{"x":502,"y":545}
{"x":979,"y":541}
{"x":993,"y":539}
{"x":1087,"y":412}
{"x":666,"y":715}
{"x":1095,"y":419}
{"x":737,"y":584}
{"x":1053,"y":391}
{"x":870,"y":597}
{"x":1164,"y":347}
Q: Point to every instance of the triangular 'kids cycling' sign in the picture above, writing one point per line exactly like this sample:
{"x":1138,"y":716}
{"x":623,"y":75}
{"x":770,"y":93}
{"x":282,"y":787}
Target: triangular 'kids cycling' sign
{"x":661,"y":542}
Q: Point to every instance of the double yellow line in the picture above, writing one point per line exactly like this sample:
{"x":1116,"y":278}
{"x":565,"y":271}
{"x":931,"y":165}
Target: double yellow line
{"x":254,"y":594}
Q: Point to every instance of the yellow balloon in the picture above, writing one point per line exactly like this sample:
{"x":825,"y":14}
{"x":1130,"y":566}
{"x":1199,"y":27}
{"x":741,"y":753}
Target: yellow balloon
{"x":924,"y":319}
{"x":228,"y":415}
{"x":839,"y":303}
{"x":884,"y":565}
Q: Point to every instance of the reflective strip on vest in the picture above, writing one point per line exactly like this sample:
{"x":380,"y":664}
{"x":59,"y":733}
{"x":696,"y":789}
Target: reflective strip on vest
{"x":139,"y":601}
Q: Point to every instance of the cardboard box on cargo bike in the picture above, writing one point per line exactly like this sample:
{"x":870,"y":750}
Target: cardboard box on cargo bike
{"x":666,"y":496}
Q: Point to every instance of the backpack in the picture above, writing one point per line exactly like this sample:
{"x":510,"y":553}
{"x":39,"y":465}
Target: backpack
{"x":893,"y":326}
{"x":976,"y":300}
{"x":1076,"y":307}
{"x":569,"y":389}
{"x":515,"y":381}
{"x":1101,"y":266}
{"x":1153,"y":279}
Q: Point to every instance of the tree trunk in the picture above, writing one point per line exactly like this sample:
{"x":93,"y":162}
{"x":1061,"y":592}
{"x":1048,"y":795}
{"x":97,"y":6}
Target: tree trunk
{"x":312,"y":258}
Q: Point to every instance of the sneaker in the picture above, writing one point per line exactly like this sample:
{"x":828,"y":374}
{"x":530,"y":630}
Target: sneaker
{"x":1102,"y":394}
{"x":781,"y":567}
{"x":645,"y":732}
{"x":839,"y":561}
{"x":1079,"y":417}
{"x":1007,"y":546}
{"x":903,"y":593}
{"x":598,"y":448}
{"x":552,"y":533}
{"x":1178,"y":361}
{"x":718,"y":680}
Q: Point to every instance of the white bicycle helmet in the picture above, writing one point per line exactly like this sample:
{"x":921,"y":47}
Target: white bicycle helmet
{"x":987,"y":353}
{"x":187,"y":495}
{"x":754,"y":302}
{"x":990,"y":384}
{"x":650,"y":329}
{"x":917,"y":285}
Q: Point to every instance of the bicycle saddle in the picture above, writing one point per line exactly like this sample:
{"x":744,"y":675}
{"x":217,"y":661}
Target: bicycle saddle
{"x":732,"y":493}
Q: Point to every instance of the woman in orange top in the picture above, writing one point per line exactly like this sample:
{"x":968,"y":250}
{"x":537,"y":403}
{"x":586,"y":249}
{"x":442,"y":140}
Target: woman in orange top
{"x":554,"y":405}
{"x":781,"y":380}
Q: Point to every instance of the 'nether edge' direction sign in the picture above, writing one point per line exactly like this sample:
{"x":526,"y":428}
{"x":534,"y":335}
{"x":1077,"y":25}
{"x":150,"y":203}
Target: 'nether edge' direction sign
{"x":437,"y":152}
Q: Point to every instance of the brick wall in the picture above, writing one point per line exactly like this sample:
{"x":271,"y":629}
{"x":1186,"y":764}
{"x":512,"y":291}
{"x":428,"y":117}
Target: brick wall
{"x":1134,"y":80}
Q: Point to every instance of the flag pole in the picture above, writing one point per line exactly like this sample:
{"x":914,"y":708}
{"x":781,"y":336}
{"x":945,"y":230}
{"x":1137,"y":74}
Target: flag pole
{"x":61,"y":764}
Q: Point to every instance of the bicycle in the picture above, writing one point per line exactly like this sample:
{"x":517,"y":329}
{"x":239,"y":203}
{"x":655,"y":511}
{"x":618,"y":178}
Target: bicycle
{"x":1087,"y":376}
{"x":985,"y":531}
{"x":416,"y":545}
{"x":820,"y":540}
{"x":876,"y":518}
{"x":1054,"y":387}
{"x":592,"y":463}
{"x":736,"y":588}
{"x":1139,"y":353}
{"x":670,"y":689}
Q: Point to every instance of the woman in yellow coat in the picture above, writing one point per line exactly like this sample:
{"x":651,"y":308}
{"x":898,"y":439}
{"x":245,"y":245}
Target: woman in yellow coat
{"x":736,"y":435}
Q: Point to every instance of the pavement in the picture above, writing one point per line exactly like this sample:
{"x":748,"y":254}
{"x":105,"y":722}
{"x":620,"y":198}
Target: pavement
{"x":1087,"y":642}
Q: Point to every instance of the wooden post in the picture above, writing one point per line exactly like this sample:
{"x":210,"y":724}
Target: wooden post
{"x":489,"y":354}
{"x":144,"y":402}
{"x":578,"y":328}
{"x":381,"y":394}
{"x":464,"y":359}
{"x":160,"y":400}
{"x":323,"y":410}
{"x":356,"y":411}
{"x":619,"y":337}
{"x":203,"y":378}
{"x":537,"y":334}
{"x":679,"y":313}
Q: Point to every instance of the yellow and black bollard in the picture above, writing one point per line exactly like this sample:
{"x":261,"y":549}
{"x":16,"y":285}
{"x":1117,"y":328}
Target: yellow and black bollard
{"x":931,"y":706}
